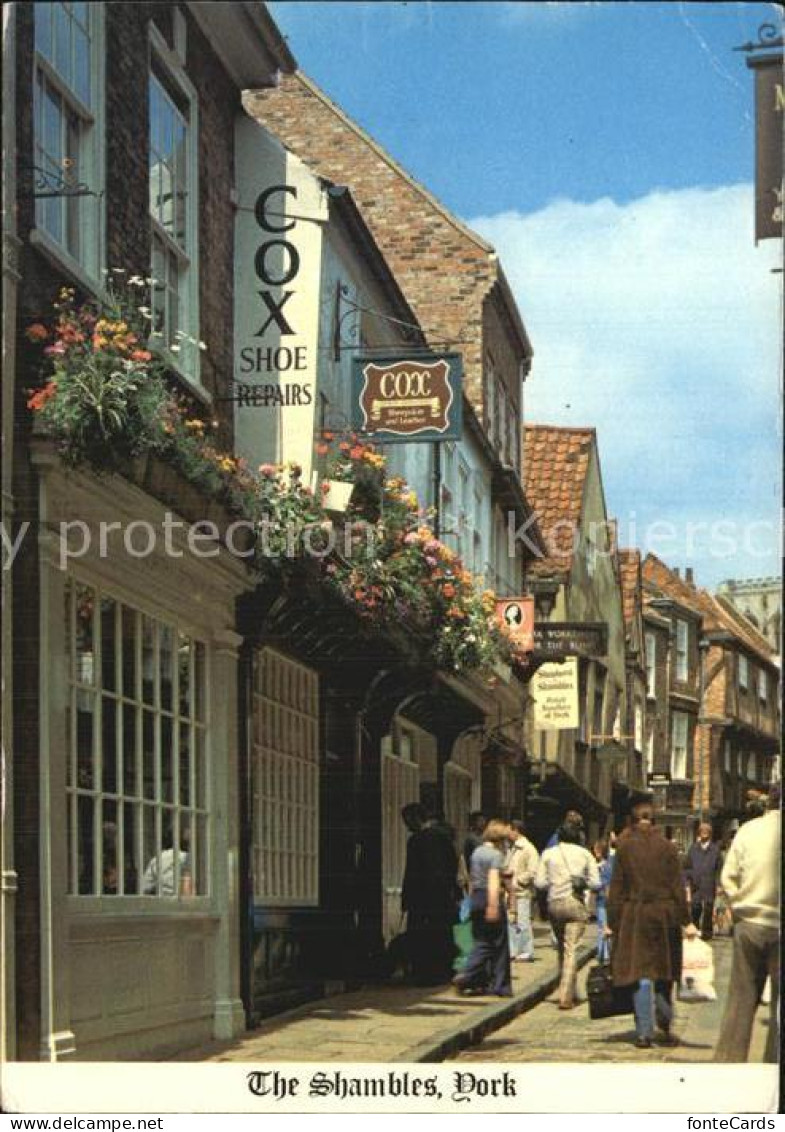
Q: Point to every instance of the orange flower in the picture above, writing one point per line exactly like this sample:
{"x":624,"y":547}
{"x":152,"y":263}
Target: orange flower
{"x":322,"y":449}
{"x":41,"y":396}
{"x":141,"y":356}
{"x":449,"y":590}
{"x":37,"y":332}
{"x":356,"y":452}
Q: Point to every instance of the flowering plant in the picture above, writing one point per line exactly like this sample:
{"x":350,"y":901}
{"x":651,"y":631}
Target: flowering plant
{"x":404,"y":574}
{"x":105,"y":392}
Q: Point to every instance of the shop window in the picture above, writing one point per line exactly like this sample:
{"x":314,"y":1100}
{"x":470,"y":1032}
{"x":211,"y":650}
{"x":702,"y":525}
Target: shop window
{"x":679,"y":733}
{"x":285,"y":772}
{"x":727,"y":756}
{"x":67,"y":134}
{"x":137,"y":772}
{"x":744,"y":673}
{"x":173,"y":173}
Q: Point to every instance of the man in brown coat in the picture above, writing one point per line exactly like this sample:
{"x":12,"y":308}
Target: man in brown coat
{"x":647,"y":909}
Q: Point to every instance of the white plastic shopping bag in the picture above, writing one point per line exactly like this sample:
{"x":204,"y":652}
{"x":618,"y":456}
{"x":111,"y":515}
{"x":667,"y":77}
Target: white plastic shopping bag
{"x":697,"y":972}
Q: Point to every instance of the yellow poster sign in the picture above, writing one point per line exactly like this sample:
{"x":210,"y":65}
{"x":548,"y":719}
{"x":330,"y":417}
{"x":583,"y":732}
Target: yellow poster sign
{"x":554,"y":690}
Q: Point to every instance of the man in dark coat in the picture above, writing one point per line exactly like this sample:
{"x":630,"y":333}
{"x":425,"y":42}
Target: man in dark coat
{"x":701,"y":871}
{"x":430,"y":895}
{"x":647,"y":910}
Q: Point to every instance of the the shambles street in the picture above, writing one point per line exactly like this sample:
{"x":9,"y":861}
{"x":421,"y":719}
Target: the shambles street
{"x":547,"y":1034}
{"x":399,"y":1023}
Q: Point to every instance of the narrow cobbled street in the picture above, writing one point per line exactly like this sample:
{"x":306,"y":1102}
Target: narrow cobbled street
{"x":548,"y":1034}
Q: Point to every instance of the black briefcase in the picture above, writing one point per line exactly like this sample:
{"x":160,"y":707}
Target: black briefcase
{"x":606,"y":1000}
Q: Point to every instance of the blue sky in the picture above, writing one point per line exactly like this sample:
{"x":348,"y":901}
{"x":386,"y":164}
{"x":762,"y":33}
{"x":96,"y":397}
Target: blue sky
{"x":606,"y":150}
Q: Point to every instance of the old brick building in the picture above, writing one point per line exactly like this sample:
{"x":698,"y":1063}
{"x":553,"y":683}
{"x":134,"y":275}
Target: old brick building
{"x":578,"y":580}
{"x":123,"y":735}
{"x":453,"y":281}
{"x":714,"y":695}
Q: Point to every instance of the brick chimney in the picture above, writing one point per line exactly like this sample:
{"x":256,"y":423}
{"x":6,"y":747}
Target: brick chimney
{"x":688,"y":576}
{"x":677,"y":571}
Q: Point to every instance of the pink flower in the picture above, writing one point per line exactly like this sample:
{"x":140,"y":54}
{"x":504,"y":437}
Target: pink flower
{"x":411,"y":538}
{"x":57,"y":350}
{"x":431,"y":560}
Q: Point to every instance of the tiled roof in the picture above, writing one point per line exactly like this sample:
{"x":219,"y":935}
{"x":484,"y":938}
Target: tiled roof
{"x":718,"y":614}
{"x":555,"y":464}
{"x":631,"y":583}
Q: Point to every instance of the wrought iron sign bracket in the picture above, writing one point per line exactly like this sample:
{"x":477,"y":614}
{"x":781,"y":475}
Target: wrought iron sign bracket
{"x":768,"y":38}
{"x":346,"y":308}
{"x":48,"y":184}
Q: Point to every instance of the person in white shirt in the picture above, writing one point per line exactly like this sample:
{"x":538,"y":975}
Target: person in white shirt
{"x":159,"y":876}
{"x":520,"y":869}
{"x":750,"y":881}
{"x":568,"y":871}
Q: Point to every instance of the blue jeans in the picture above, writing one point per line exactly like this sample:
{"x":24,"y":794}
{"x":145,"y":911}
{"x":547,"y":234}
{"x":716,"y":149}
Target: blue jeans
{"x":650,"y":1000}
{"x":603,"y":943}
{"x":521,"y":934}
{"x":488,"y":966}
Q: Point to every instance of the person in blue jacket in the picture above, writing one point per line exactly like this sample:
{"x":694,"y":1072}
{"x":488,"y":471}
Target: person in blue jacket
{"x":601,"y":850}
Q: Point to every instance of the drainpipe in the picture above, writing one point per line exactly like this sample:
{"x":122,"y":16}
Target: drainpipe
{"x":703,"y":649}
{"x":246,"y":901}
{"x":11,"y":278}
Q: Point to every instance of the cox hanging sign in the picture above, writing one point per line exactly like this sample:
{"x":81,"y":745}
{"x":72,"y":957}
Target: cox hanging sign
{"x":408,"y":398}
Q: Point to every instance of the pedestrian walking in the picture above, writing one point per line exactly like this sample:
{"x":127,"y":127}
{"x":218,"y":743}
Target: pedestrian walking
{"x":520,"y":869}
{"x":488,"y":967}
{"x":567,"y":871}
{"x":473,"y":839}
{"x":750,"y":881}
{"x":701,"y":872}
{"x":602,"y":856}
{"x":573,"y":818}
{"x":429,"y":896}
{"x":647,"y":909}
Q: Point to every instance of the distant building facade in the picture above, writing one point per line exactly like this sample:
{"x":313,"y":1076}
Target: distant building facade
{"x":760,"y":600}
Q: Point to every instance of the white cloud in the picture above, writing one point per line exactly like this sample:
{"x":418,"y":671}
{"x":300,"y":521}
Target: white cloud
{"x":658,"y":321}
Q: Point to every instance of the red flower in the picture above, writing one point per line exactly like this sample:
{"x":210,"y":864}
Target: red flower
{"x":141,"y":356}
{"x":41,"y":396}
{"x":356,"y":452}
{"x":37,"y":332}
{"x":322,"y":449}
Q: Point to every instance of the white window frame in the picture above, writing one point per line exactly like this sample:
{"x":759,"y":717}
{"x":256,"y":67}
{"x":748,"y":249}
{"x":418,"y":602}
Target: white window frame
{"x":639,"y":717}
{"x":651,"y":665}
{"x":86,"y":267}
{"x":650,"y":750}
{"x":744,"y":672}
{"x":679,"y":745}
{"x":465,"y":501}
{"x":187,"y":360}
{"x":285,"y":775}
{"x":186,"y":805}
{"x":490,"y":398}
{"x":763,"y":685}
{"x":682,"y":650}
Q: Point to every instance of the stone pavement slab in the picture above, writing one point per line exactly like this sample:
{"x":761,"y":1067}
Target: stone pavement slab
{"x":393,"y":1022}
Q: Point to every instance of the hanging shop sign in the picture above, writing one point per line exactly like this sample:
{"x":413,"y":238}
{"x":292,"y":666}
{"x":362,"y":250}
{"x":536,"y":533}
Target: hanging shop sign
{"x":405,"y":399}
{"x":769,"y":103}
{"x":554,"y":692}
{"x":517,"y":615}
{"x":558,"y":639}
